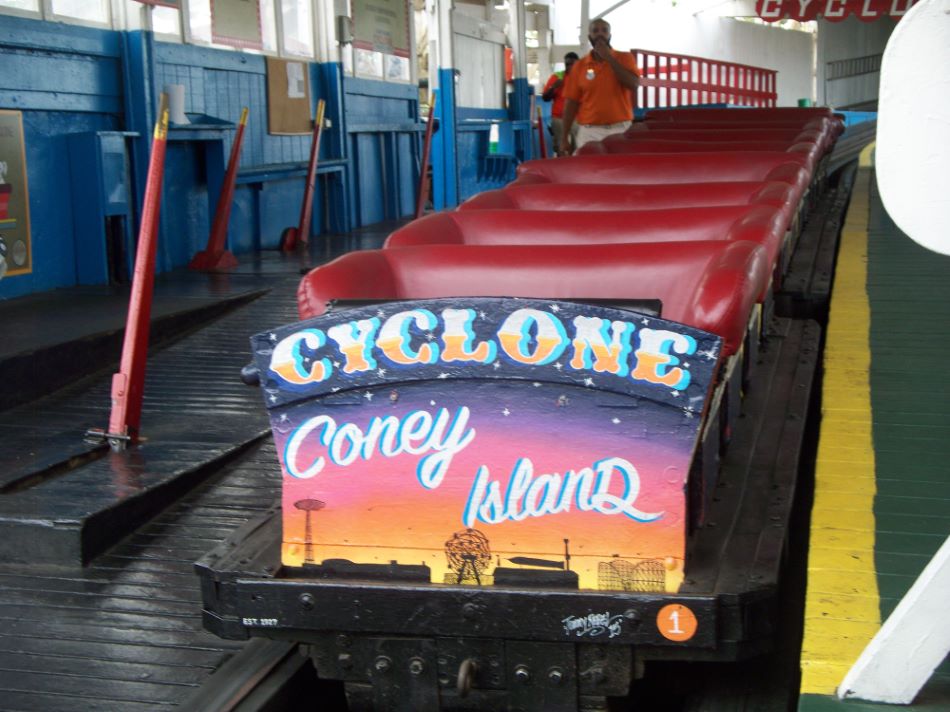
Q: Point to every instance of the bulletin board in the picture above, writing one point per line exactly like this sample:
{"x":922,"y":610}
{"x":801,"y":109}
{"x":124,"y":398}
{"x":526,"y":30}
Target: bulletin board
{"x":288,"y":97}
{"x":14,"y":196}
{"x":237,"y":23}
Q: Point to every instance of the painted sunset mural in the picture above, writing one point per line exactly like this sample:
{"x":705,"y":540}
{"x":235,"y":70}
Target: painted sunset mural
{"x":476,"y":475}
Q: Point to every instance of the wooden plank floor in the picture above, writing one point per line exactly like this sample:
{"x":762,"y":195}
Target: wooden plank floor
{"x":125,"y":633}
{"x":195,"y":409}
{"x":882,"y":485}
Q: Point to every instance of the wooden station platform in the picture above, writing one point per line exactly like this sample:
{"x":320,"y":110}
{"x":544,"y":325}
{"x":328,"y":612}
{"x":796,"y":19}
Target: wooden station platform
{"x":882,"y":483}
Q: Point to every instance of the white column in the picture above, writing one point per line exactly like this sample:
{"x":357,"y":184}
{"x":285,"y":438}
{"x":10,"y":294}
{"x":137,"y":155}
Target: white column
{"x":439,"y":19}
{"x":325,"y":39}
{"x":516,"y":23}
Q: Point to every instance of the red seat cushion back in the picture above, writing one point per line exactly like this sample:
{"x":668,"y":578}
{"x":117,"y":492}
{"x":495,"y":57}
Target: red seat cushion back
{"x":709,"y":285}
{"x":759,"y":116}
{"x":672,"y":168}
{"x":652,"y":130}
{"x":756,"y":223}
{"x":809,"y":150}
{"x":602,"y":196}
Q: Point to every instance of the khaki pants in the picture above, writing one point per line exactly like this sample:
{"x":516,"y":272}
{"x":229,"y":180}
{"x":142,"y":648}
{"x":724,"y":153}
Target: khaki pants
{"x":557,"y":128}
{"x":598,"y":132}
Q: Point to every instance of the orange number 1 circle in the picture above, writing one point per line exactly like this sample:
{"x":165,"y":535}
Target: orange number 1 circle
{"x":676,"y":622}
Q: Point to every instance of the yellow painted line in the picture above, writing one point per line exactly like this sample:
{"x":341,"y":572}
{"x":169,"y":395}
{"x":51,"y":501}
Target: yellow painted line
{"x":850,"y":475}
{"x":841,"y":502}
{"x":826,"y":520}
{"x":849,"y":582}
{"x":836,"y":606}
{"x":842,"y":605}
{"x":824,"y":674}
{"x":858,"y":631}
{"x":829,"y":556}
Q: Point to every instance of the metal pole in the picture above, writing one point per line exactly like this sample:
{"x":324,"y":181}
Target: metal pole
{"x":215,"y":256}
{"x":301,"y":234}
{"x":128,"y":384}
{"x":423,"y":192}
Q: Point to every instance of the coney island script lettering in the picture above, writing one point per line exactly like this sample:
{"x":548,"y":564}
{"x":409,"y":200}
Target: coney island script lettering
{"x":609,"y":486}
{"x":593,"y":625}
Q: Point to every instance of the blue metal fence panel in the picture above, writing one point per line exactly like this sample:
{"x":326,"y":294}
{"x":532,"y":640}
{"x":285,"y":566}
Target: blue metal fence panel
{"x":382,"y":123}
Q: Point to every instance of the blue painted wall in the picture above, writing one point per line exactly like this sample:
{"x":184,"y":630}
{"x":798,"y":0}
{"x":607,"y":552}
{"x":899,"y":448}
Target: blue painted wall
{"x":219,"y":85}
{"x":70,"y":80}
{"x":65,"y":79}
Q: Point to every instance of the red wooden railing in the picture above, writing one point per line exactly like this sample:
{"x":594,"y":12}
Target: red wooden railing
{"x":680,"y":80}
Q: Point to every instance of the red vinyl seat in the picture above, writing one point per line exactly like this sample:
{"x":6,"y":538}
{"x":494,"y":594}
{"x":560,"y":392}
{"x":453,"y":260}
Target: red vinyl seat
{"x":760,"y":224}
{"x":829,"y":134}
{"x":827,"y":128}
{"x":708,"y":285}
{"x":789,"y":116}
{"x":748,"y":113}
{"x":830,"y":129}
{"x":598,"y":197}
{"x":810,"y":150}
{"x":652,"y":130}
{"x":657,"y":168}
{"x":732,"y":132}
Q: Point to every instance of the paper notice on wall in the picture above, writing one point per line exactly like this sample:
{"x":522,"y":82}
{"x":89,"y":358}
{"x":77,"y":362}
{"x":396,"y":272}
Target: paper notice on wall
{"x":288,"y":97}
{"x":296,"y":89}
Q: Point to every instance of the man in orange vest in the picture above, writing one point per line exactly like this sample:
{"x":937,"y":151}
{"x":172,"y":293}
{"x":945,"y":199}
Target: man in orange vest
{"x":597,"y":92}
{"x":554,"y":91}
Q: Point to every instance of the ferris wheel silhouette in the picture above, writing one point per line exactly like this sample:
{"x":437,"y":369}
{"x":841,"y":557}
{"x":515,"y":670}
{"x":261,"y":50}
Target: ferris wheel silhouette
{"x":468,"y":555}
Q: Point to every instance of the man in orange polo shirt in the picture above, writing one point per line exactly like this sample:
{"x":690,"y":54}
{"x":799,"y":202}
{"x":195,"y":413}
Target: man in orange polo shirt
{"x":597,"y":91}
{"x":554,"y":91}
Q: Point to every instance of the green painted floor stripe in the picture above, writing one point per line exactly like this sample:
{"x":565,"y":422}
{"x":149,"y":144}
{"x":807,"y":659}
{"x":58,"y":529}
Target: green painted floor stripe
{"x":909,"y":294}
{"x":909,"y":297}
{"x":935,"y":701}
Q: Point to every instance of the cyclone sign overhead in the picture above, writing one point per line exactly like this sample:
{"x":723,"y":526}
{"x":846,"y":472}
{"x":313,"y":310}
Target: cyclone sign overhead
{"x":832,"y":10}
